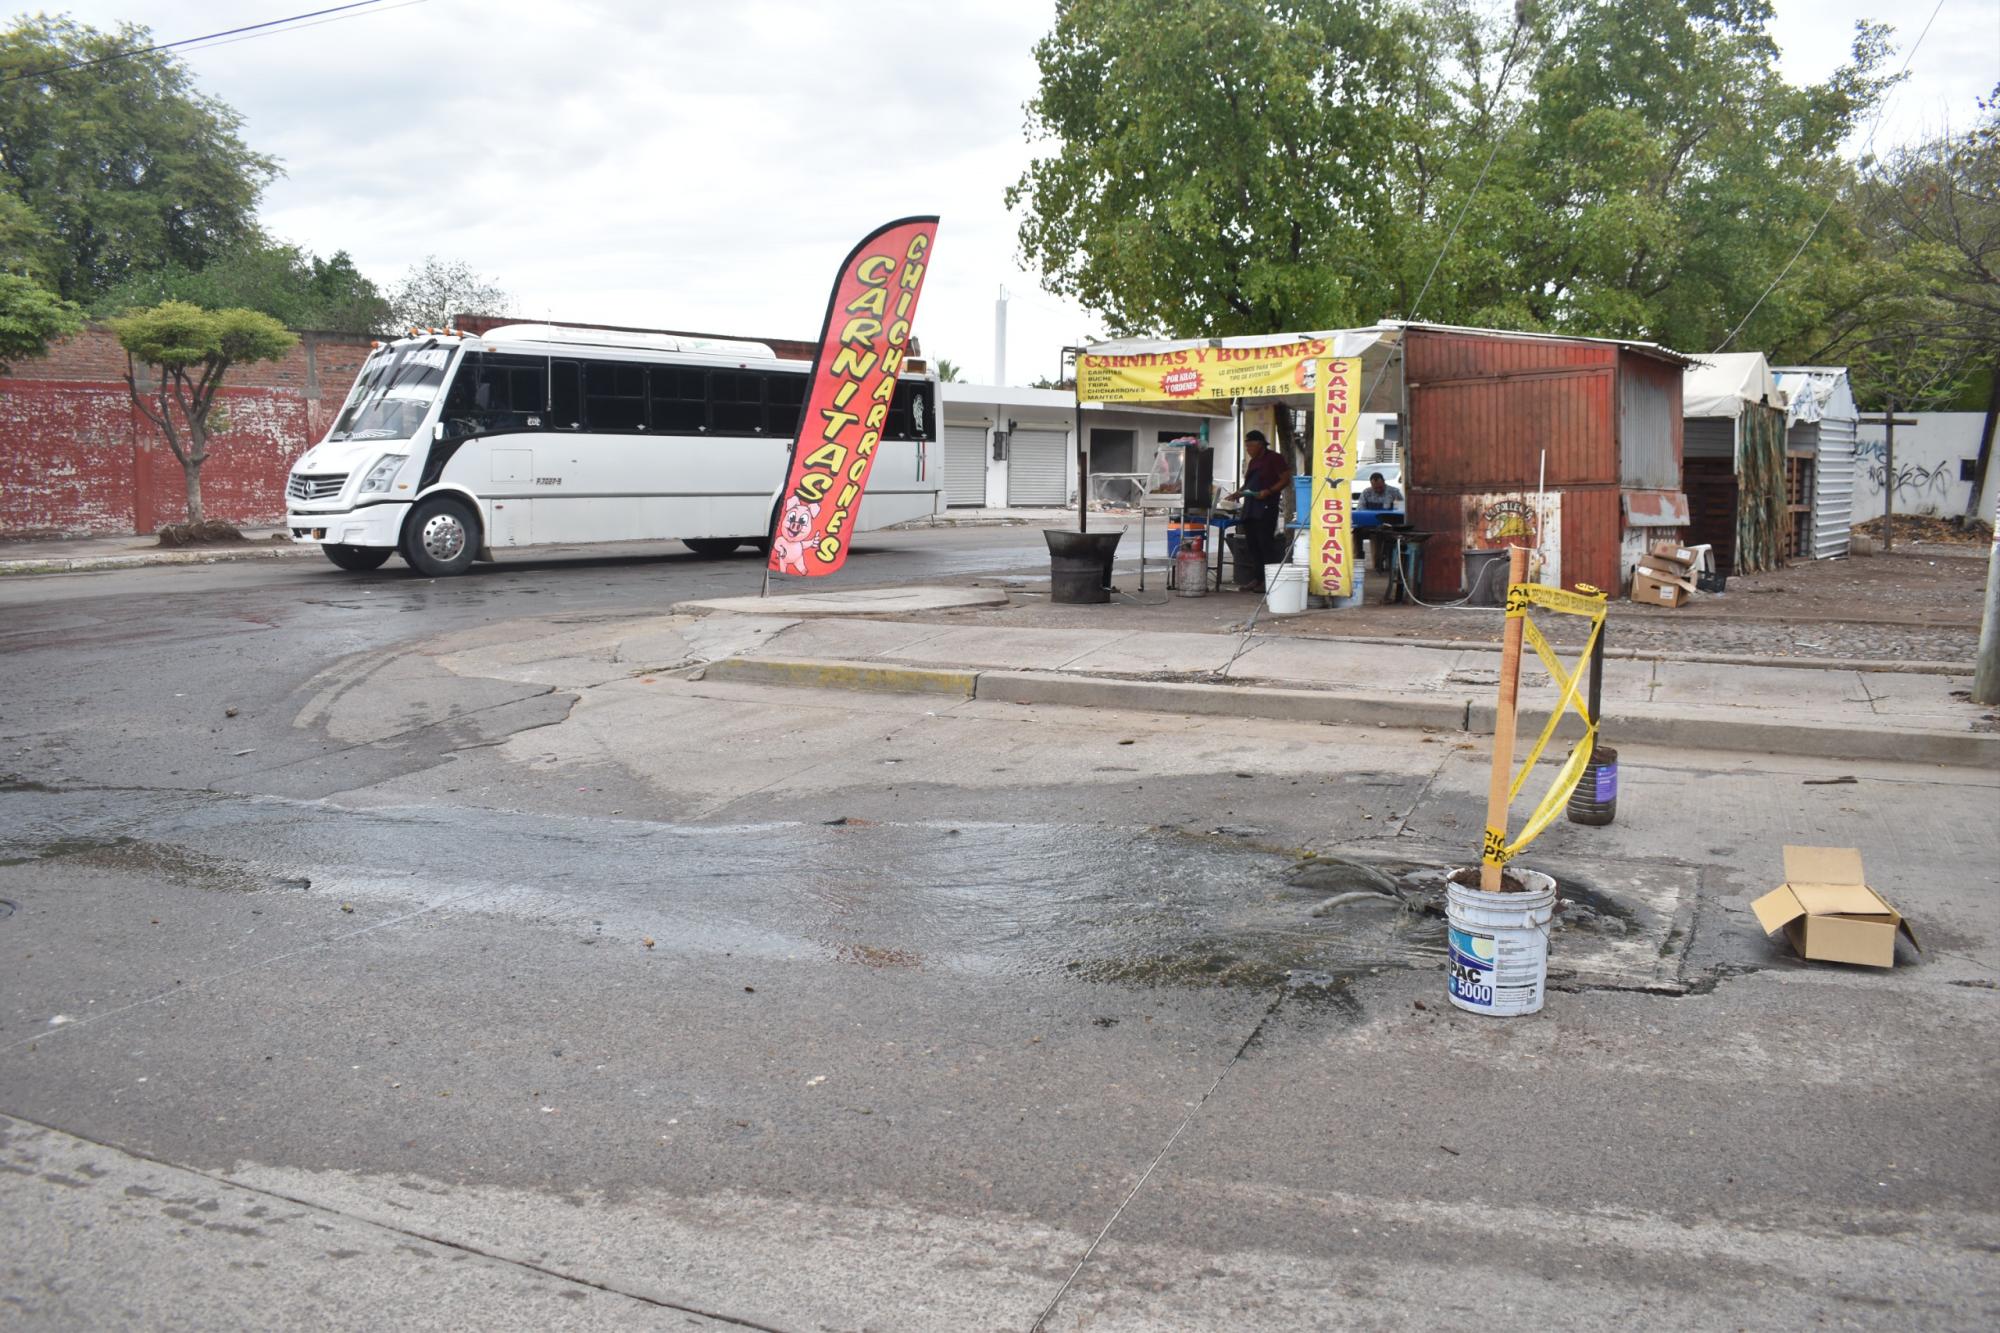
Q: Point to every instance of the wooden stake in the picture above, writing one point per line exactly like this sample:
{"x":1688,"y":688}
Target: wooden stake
{"x":1503,"y":723}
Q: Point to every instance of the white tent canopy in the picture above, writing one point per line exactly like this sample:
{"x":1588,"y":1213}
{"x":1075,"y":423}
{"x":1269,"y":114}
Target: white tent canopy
{"x":1722,"y":384}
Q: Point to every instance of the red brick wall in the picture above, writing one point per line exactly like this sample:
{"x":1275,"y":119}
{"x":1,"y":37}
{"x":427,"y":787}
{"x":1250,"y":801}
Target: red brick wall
{"x":76,"y":458}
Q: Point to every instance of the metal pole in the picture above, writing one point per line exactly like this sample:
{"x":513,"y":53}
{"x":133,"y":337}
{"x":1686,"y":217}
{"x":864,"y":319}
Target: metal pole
{"x":1986,"y":678}
{"x":1082,"y":460}
{"x":1889,"y":483}
{"x":1597,"y":680}
{"x":1504,"y":714}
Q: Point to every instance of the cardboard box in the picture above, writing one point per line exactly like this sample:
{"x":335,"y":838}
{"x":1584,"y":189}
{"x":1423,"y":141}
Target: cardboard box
{"x":1654,"y":590}
{"x":1682,"y":558}
{"x":1829,"y":913}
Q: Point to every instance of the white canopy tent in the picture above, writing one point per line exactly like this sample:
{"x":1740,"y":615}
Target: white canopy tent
{"x":1724,"y":383}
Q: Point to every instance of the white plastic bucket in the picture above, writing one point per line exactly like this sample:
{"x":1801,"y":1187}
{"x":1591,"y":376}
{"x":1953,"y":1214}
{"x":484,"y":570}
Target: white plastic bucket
{"x":1498,"y":953}
{"x":1356,"y":593}
{"x":1285,"y":589}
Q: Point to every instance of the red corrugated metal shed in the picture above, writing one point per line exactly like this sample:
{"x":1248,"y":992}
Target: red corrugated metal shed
{"x":1488,"y":411}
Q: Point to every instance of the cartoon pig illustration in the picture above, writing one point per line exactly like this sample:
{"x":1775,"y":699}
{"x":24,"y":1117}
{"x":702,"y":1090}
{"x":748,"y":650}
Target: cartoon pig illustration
{"x":794,"y":534}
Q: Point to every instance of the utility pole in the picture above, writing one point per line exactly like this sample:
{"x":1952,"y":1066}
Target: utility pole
{"x":1889,"y":420}
{"x":1986,"y":678}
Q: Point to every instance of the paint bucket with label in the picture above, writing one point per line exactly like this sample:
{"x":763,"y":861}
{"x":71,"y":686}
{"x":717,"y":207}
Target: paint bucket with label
{"x":1497,"y":960}
{"x":1285,"y":589}
{"x":1594,"y":800}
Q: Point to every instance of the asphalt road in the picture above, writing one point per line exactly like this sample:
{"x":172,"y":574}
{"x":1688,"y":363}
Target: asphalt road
{"x":451,"y":981}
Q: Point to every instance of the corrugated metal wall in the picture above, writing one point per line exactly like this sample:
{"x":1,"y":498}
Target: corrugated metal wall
{"x":1649,"y":424}
{"x":1833,"y":489}
{"x":1709,"y":437}
{"x":1485,"y":410}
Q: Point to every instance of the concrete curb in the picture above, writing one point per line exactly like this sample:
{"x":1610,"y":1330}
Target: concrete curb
{"x":85,"y":563}
{"x":1641,"y":724}
{"x":1354,"y":708}
{"x":1649,"y":724}
{"x":1916,"y":667}
{"x":822,"y":674}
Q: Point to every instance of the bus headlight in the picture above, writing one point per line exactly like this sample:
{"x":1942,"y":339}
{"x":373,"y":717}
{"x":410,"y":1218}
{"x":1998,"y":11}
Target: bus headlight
{"x":383,"y":474}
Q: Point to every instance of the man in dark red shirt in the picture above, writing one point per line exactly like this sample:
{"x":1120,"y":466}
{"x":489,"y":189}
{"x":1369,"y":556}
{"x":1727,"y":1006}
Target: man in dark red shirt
{"x":1265,"y":476}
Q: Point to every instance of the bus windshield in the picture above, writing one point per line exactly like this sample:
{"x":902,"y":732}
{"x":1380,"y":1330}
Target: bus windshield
{"x":393,"y":394}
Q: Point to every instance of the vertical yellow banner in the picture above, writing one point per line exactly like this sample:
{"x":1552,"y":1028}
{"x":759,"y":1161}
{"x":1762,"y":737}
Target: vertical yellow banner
{"x":1337,"y":414}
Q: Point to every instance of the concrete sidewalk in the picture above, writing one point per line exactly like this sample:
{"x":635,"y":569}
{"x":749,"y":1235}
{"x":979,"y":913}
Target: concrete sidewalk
{"x":1827,"y":712}
{"x":63,"y":555}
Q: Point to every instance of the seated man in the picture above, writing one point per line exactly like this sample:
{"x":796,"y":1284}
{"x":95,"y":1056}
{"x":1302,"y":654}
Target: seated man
{"x":1379,"y":495}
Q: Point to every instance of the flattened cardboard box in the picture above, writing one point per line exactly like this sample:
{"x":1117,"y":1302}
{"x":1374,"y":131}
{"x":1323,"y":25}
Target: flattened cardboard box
{"x":1829,"y":913}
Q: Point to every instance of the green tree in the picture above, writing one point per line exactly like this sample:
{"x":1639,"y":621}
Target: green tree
{"x":1935,"y":210}
{"x":1628,"y":167}
{"x":1668,"y":172}
{"x":188,"y":351}
{"x":295,"y":287}
{"x":123,"y":163}
{"x":31,"y":317}
{"x":437,"y":291}
{"x":1216,"y":166}
{"x":948,"y":370}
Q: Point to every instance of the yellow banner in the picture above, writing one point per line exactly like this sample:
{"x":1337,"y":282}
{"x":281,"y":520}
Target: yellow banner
{"x":1337,"y":412}
{"x":1189,"y":374}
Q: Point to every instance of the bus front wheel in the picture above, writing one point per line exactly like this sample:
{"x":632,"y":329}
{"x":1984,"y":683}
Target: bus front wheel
{"x":360,"y":559}
{"x":440,"y":537}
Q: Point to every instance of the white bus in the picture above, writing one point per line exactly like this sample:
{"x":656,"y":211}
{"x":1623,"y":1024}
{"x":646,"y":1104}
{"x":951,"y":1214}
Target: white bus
{"x":452,"y":447}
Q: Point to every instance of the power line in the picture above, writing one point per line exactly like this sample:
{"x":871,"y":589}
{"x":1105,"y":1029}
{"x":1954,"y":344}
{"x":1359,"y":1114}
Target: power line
{"x":1866,"y":144}
{"x":185,"y":41}
{"x":206,"y":45}
{"x":1493,"y":125}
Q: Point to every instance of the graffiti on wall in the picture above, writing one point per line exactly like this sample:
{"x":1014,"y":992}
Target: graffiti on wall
{"x":1915,"y":484}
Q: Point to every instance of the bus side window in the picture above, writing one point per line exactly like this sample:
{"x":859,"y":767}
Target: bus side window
{"x":736,"y":402}
{"x":784,"y":399}
{"x":678,"y":398}
{"x":614,"y":396}
{"x":565,"y":396}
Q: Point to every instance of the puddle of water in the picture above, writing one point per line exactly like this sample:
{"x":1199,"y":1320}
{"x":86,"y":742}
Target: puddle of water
{"x":1152,"y":907}
{"x":161,"y":860}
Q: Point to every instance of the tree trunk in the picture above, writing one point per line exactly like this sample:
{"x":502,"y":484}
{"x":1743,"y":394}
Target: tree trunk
{"x":191,"y":471}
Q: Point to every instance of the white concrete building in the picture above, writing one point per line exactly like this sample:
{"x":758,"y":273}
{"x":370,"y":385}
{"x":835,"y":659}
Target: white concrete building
{"x":1007,"y":447}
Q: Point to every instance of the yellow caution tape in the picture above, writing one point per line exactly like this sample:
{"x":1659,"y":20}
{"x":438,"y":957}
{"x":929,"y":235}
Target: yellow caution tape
{"x":1498,"y":849}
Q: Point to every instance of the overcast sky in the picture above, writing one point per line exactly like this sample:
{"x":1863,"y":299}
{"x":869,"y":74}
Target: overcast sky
{"x":693,"y":165}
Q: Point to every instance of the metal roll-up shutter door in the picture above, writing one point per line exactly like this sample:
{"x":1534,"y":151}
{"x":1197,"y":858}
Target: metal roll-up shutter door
{"x":1035,"y":467}
{"x":964,"y":465}
{"x":1833,"y":488}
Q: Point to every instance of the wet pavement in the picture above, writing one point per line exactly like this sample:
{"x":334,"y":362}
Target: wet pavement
{"x":662,"y":1001}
